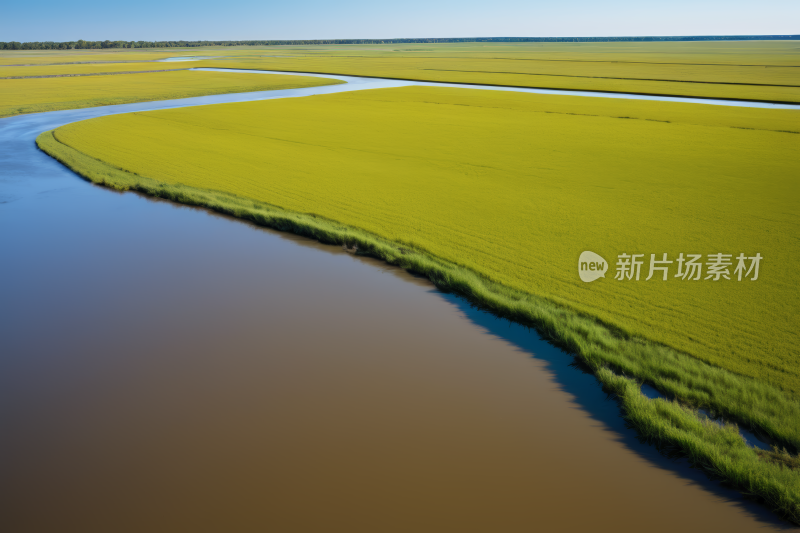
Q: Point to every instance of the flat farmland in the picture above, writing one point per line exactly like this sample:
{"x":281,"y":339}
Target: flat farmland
{"x":82,"y":69}
{"x":54,"y":57}
{"x":754,"y":71}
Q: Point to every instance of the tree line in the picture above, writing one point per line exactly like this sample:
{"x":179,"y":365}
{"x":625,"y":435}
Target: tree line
{"x":90,"y":45}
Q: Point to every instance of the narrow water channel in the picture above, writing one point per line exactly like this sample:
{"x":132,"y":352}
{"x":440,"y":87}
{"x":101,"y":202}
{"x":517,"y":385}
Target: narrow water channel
{"x":166,"y":369}
{"x":178,"y":59}
{"x":531,"y":90}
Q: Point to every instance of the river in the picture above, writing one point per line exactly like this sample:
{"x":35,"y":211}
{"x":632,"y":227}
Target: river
{"x":164,"y":368}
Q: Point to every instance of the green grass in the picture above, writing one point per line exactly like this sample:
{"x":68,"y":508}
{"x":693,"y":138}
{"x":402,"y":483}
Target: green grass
{"x":55,"y":57}
{"x":18,"y":96}
{"x":619,"y":361}
{"x":87,"y":68}
{"x":750,"y":70}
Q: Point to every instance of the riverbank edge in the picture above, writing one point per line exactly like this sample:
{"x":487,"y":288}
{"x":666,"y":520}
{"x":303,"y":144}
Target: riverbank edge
{"x":422,"y":80}
{"x":620,"y":362}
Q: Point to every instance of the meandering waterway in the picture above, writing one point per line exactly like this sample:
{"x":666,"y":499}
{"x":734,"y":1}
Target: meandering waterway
{"x":164,"y":368}
{"x":563,"y":92}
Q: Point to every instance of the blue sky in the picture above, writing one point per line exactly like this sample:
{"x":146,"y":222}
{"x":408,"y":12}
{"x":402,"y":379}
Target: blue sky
{"x":59,"y":20}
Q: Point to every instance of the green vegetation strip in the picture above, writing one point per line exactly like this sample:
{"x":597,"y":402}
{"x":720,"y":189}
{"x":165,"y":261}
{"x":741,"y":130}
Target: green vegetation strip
{"x":89,"y":74}
{"x":701,"y":70}
{"x":620,"y":361}
{"x":618,"y":78}
{"x":40,"y":94}
{"x":41,"y":71}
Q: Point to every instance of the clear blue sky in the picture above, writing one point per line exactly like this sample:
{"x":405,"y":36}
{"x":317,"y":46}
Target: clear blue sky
{"x":64,"y":20}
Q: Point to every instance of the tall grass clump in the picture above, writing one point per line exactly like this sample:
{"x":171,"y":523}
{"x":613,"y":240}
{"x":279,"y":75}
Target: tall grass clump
{"x":746,"y":71}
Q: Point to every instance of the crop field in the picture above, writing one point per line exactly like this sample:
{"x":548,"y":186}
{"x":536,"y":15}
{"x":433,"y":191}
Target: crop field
{"x":9,"y":58}
{"x":35,"y":95}
{"x":55,"y":57}
{"x":773,"y":53}
{"x":765,"y":71}
{"x":515,"y":188}
{"x":762,"y":71}
{"x":79,"y":69}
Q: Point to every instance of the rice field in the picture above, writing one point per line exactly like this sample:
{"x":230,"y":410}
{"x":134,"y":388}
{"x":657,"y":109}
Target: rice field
{"x":515,"y":187}
{"x":35,"y":95}
{"x":79,"y":69}
{"x":767,"y":71}
{"x":55,"y":57}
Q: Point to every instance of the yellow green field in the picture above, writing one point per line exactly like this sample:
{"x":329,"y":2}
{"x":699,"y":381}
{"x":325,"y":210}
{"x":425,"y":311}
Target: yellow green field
{"x":88,"y":68}
{"x":768,"y":71}
{"x":515,"y":187}
{"x":36,"y":95}
{"x":55,"y":57}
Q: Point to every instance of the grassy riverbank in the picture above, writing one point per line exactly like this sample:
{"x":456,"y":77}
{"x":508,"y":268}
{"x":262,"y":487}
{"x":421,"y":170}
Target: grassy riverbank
{"x":619,"y":360}
{"x":515,"y":187}
{"x":84,"y":69}
{"x":35,"y":95}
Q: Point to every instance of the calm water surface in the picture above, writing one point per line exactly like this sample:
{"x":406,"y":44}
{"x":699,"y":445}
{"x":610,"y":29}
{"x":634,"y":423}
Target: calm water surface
{"x":166,"y":369}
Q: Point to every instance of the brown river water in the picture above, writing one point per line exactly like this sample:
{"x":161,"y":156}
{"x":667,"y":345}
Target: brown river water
{"x":165,"y":369}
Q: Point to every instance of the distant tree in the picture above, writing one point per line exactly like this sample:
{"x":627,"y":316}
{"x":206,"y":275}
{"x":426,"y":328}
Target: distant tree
{"x":84,"y":45}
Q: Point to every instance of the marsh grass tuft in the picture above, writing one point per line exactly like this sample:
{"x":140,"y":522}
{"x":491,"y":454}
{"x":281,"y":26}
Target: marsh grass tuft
{"x":781,"y":457}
